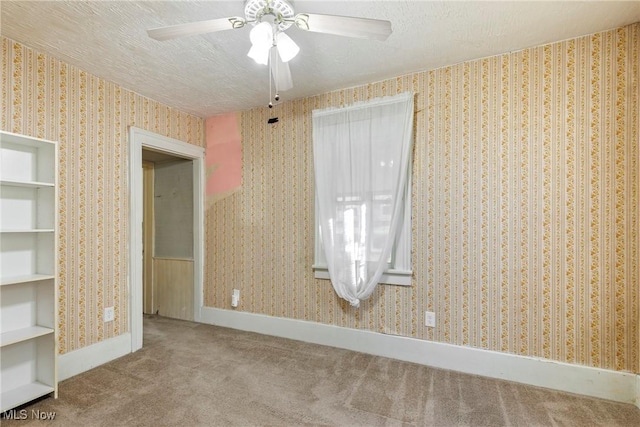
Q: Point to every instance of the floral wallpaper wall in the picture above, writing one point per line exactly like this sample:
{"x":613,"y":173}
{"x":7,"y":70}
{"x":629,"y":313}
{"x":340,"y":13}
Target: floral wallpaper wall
{"x":89,"y":117}
{"x":525,"y":208}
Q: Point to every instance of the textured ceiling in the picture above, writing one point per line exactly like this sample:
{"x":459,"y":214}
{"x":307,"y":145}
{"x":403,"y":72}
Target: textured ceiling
{"x":211,"y":74}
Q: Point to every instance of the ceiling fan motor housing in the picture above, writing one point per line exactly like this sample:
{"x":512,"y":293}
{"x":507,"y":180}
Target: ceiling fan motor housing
{"x":280,"y":11}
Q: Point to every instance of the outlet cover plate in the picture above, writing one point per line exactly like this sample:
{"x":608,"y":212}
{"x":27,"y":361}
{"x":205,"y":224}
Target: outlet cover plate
{"x":430,"y":319}
{"x":109,"y":314}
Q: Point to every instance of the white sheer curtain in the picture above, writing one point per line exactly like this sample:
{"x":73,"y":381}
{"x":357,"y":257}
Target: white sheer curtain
{"x":362,"y":157}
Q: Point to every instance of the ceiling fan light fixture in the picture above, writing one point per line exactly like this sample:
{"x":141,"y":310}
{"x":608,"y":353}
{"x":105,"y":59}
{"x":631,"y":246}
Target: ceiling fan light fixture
{"x":260,"y":54}
{"x":262,"y":34}
{"x":287,"y":48}
{"x":261,"y":42}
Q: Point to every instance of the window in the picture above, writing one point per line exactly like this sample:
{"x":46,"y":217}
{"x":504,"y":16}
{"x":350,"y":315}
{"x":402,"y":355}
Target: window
{"x":398,"y":271}
{"x":365,"y":149}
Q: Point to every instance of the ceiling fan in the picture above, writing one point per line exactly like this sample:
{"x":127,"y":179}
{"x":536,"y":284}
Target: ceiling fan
{"x":270,"y":45}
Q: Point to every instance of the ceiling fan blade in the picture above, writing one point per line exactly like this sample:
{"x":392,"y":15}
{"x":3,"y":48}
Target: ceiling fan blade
{"x":362,"y":28}
{"x":281,"y":72}
{"x":193,"y":28}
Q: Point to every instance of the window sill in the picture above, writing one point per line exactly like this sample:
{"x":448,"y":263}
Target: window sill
{"x":389,"y":277}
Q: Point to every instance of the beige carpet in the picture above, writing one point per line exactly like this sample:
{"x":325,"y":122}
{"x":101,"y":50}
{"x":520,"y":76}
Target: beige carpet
{"x":199,"y":375}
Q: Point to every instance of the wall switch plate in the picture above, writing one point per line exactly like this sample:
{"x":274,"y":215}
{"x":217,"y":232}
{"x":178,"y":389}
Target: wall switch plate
{"x":109,"y":314}
{"x":430,"y":319}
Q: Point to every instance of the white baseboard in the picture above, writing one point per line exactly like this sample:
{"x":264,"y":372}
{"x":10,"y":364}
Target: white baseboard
{"x":81,"y":360}
{"x":602,"y":383}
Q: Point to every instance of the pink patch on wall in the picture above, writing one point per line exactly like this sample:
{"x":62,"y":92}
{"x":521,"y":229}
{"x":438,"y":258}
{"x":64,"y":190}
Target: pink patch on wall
{"x":223,"y":157}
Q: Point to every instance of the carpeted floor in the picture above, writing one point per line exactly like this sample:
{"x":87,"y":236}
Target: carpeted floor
{"x":189,"y":374}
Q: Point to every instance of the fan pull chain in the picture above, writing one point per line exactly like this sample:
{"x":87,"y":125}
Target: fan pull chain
{"x":275,"y":84}
{"x":270,"y":75}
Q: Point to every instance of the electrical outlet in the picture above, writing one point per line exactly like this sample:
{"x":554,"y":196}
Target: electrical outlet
{"x":109,"y":314}
{"x":430,"y":319}
{"x":235,"y":297}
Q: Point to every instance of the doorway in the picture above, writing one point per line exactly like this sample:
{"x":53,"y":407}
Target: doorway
{"x":185,"y":154}
{"x":167,"y":235}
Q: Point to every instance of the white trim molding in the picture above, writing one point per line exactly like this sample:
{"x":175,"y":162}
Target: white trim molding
{"x":139,"y":139}
{"x":638,"y":391}
{"x":81,"y":360}
{"x":585,"y":380}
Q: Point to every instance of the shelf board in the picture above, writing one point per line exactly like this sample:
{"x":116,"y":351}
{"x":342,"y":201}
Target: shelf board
{"x":29,"y":141}
{"x":25,"y":334}
{"x":23,"y":394}
{"x":25,"y":279}
{"x":31,"y":230}
{"x":28,"y":184}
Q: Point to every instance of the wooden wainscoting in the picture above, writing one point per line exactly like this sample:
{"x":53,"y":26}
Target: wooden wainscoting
{"x":173,"y":283}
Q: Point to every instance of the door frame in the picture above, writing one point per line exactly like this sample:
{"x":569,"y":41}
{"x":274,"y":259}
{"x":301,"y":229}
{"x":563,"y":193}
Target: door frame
{"x":139,"y":139}
{"x":148,"y":234}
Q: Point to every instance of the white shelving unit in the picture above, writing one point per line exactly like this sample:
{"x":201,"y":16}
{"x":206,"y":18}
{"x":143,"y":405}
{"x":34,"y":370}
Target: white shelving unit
{"x":28,"y":269}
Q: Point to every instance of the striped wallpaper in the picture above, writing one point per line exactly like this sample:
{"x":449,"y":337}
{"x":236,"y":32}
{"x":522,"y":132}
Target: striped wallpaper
{"x":47,"y":98}
{"x":525,"y":208}
{"x":525,"y":201}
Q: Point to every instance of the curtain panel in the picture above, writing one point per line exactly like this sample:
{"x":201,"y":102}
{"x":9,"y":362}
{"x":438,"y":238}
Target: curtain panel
{"x":362,"y":158}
